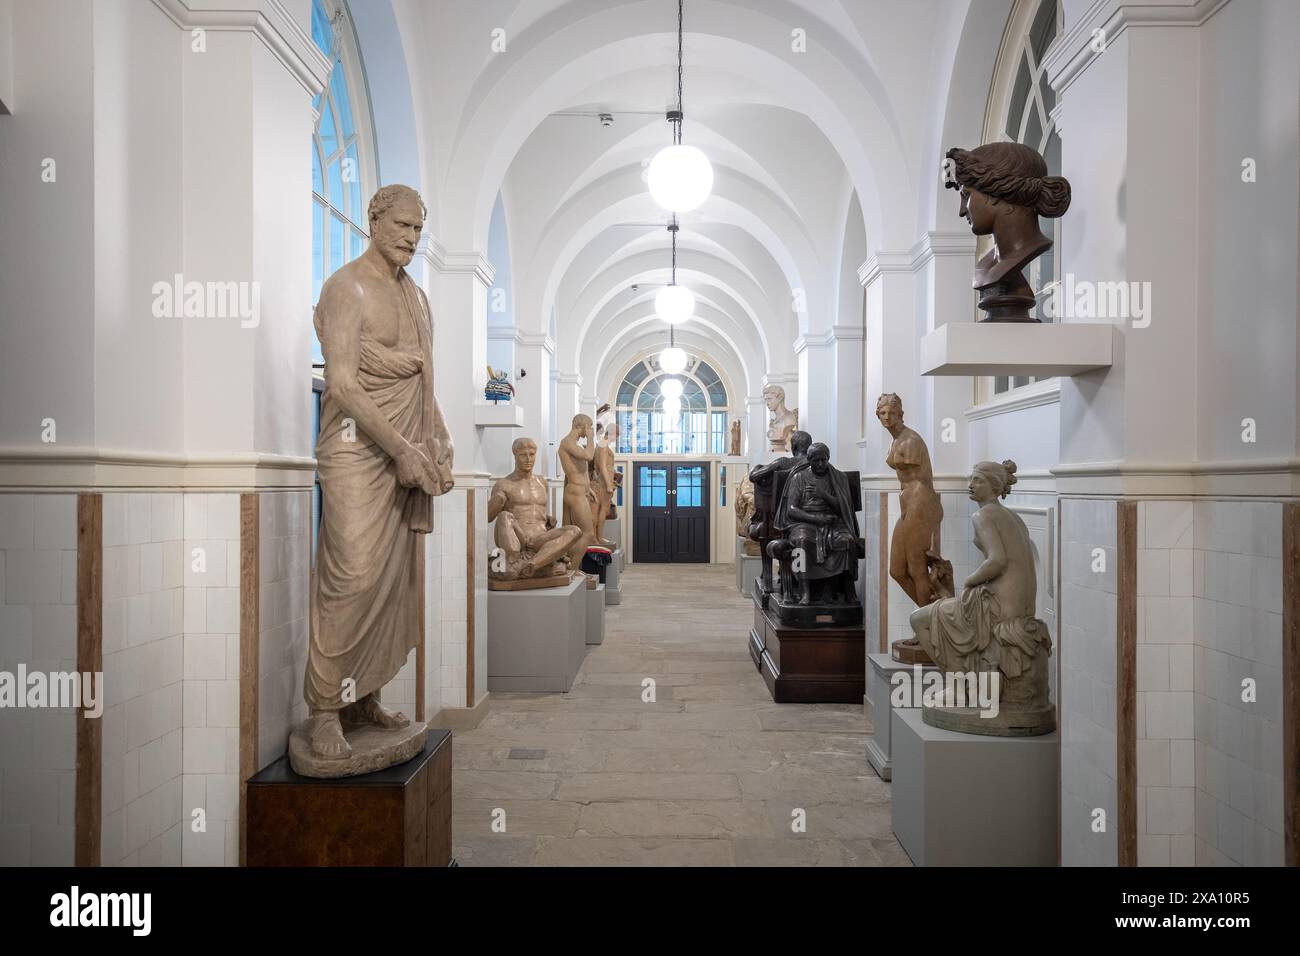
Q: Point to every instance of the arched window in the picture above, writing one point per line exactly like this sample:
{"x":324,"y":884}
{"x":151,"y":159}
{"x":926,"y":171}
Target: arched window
{"x":340,"y":170}
{"x":1019,"y":111}
{"x":644,"y":428}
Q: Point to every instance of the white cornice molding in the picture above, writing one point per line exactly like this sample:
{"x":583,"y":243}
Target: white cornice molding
{"x":1074,"y":52}
{"x":589,"y":400}
{"x":432,"y":252}
{"x":64,"y":468}
{"x":502,"y":333}
{"x":754,"y":400}
{"x":1044,"y":392}
{"x":269,"y":21}
{"x":828,"y":337}
{"x":934,"y":243}
{"x":469,"y":263}
{"x":568,"y":378}
{"x":1247,"y":478}
{"x":781,"y":378}
{"x":540,"y":340}
{"x":881,"y":262}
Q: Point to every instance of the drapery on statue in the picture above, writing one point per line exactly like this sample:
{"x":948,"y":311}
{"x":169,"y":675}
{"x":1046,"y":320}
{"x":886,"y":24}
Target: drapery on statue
{"x":735,"y":438}
{"x":533,"y":550}
{"x":784,"y":420}
{"x":575,"y":460}
{"x":764,"y":480}
{"x":1004,"y":188}
{"x":991,"y":627}
{"x":914,"y":558}
{"x":383,"y":452}
{"x":816,"y":517}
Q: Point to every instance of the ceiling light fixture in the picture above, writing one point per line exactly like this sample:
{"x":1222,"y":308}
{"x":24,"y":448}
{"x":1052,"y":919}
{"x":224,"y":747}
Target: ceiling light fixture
{"x":680,"y":177}
{"x":671,"y":388}
{"x":674,"y":303}
{"x":672,"y":359}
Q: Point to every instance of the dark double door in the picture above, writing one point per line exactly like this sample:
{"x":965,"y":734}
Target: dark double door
{"x":670,"y":511}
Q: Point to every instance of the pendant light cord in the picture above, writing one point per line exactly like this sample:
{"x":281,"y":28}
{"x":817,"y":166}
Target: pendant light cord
{"x":677,"y":139}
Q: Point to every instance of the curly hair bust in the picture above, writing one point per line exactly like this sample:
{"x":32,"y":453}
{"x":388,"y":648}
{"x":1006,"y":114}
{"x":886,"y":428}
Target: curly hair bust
{"x":1000,"y":475}
{"x":1012,"y":172}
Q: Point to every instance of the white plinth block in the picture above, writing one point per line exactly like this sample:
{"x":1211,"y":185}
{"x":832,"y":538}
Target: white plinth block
{"x":1018,"y":348}
{"x":537,"y":639}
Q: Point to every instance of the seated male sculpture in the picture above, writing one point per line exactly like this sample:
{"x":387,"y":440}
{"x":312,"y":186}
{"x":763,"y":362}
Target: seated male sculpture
{"x":529,"y":544}
{"x":764,"y":480}
{"x":816,"y":517}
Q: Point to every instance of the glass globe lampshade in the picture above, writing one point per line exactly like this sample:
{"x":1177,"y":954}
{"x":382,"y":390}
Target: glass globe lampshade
{"x":674,"y":304}
{"x":672,"y":360}
{"x":680,"y":177}
{"x":672,"y":409}
{"x":671,"y":388}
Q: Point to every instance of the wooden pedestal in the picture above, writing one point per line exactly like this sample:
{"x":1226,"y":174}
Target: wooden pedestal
{"x":824,"y":665}
{"x":395,"y":817}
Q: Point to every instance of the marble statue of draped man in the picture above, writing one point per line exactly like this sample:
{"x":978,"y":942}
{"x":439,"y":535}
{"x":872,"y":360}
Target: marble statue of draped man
{"x":383,"y":451}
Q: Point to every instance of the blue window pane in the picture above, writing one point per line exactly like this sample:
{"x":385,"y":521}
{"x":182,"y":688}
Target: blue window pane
{"x":321,"y":31}
{"x":690,"y":487}
{"x":337,"y":247}
{"x":652,"y":487}
{"x":717,"y":394}
{"x":317,"y":179}
{"x":329,"y":137}
{"x":339,"y":87}
{"x":357,"y":244}
{"x":335,"y":173}
{"x":352,"y":183}
{"x":317,"y":249}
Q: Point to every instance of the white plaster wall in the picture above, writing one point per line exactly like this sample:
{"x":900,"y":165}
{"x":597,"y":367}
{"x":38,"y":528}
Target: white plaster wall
{"x":38,"y":628}
{"x":47,"y":245}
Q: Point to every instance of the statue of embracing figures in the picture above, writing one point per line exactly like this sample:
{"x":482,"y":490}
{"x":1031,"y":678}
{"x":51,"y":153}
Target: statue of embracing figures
{"x":991,"y":628}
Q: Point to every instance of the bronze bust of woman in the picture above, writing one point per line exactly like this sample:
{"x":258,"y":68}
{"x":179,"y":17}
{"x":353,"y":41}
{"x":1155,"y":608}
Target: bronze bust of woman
{"x":1004,"y":189}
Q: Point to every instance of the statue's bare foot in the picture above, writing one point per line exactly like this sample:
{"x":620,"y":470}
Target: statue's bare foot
{"x":372,"y":712}
{"x":327,"y":738}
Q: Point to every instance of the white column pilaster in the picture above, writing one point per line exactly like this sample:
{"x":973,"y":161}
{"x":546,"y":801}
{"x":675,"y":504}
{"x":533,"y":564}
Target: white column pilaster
{"x":891,"y":339}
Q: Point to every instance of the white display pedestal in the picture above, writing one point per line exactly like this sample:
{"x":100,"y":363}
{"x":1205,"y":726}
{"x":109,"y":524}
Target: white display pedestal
{"x":1018,"y":348}
{"x":880,"y":674}
{"x":612,"y":572}
{"x":596,"y":615}
{"x":537,"y":639}
{"x":613,"y":531}
{"x":965,"y":800}
{"x":748,"y":568}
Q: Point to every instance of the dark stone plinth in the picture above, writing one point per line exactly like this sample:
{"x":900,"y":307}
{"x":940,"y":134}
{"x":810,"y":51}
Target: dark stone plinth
{"x":814,"y":615}
{"x":400,"y":816}
{"x":808,"y":665}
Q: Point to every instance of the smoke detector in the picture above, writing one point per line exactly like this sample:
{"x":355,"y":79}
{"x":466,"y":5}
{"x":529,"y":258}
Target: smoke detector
{"x":606,"y":119}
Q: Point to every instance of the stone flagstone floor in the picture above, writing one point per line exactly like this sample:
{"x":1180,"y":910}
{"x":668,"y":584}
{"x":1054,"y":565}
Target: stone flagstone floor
{"x":710,"y":774}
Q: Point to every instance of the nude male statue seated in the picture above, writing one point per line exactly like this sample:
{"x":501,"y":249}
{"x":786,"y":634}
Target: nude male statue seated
{"x":529,"y":542}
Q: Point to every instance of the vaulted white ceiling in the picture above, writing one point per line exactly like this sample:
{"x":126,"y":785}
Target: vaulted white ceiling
{"x":818,"y":116}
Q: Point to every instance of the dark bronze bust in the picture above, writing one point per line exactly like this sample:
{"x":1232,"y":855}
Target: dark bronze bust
{"x":1004,"y":189}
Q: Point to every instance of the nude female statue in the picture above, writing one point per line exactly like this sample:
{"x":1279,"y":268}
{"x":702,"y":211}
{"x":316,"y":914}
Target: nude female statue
{"x":991,"y":627}
{"x":916,"y":535}
{"x":1004,"y":188}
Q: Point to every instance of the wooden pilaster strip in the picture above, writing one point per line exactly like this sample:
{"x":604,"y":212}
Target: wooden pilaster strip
{"x":88,"y":808}
{"x":419,"y":647}
{"x":249,"y":650}
{"x":1126,"y":682}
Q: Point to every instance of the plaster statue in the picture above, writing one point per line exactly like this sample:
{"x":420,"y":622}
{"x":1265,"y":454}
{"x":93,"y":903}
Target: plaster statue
{"x":784,"y":420}
{"x":744,"y":508}
{"x":1004,"y":189}
{"x":533,"y":551}
{"x":991,"y":628}
{"x":816,"y":516}
{"x":764,"y":480}
{"x":735,"y":438}
{"x":604,"y":481}
{"x":914,"y":558}
{"x":384,"y":450}
{"x":577,"y":450}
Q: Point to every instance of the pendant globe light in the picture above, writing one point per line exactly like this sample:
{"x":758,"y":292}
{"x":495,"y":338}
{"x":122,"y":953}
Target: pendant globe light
{"x":680,"y":177}
{"x":672,"y":359}
{"x":671,"y":388}
{"x":673,"y":410}
{"x":674,"y":303}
